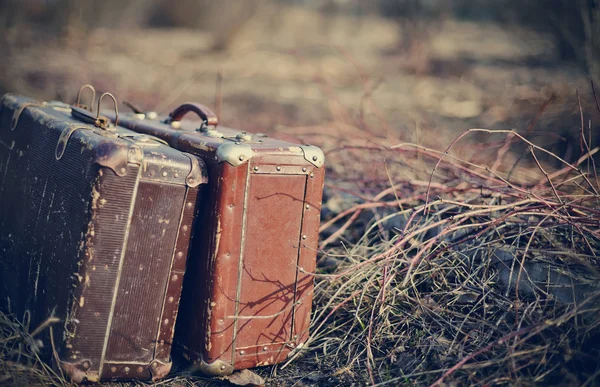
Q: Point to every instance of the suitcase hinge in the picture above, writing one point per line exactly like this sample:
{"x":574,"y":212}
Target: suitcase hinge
{"x":18,"y":112}
{"x":63,"y":140}
{"x":109,"y":155}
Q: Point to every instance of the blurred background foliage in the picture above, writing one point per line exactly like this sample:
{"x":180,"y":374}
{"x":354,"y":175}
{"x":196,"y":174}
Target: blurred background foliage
{"x":573,"y":25}
{"x":416,"y":67}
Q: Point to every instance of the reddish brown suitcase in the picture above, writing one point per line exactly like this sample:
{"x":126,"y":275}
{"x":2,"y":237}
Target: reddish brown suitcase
{"x":95,"y":225}
{"x":248,"y":290}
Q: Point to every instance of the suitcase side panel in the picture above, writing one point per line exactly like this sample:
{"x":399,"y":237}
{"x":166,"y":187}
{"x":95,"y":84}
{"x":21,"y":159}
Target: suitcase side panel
{"x":227,"y":231}
{"x":194,"y":312}
{"x":203,"y":334}
{"x":139,"y":298}
{"x":34,"y":225}
{"x":173,"y":295}
{"x":307,"y":255}
{"x":91,"y":312}
{"x":58,"y":220}
{"x":266,"y":285}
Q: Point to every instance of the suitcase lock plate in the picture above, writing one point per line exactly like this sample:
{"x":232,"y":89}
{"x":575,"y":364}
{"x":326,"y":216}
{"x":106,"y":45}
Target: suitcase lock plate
{"x":98,"y":121}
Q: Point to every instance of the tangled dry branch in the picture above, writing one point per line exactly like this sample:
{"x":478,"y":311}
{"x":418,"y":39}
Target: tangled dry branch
{"x":472,"y":274}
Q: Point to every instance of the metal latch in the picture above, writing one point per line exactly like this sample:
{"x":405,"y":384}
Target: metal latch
{"x":81,"y":89}
{"x":139,"y":113}
{"x":209,"y":131}
{"x":98,"y":121}
{"x":144,"y":140}
{"x":244,"y":136}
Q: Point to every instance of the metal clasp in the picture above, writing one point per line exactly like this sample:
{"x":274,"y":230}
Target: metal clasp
{"x":81,"y":89}
{"x":105,"y":120}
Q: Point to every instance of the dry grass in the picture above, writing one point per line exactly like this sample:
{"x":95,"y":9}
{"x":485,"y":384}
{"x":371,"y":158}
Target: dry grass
{"x":20,"y":362}
{"x":471,"y":273}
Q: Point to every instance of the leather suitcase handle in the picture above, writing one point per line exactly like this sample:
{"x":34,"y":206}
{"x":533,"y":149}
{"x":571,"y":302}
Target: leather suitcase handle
{"x":202,"y":111}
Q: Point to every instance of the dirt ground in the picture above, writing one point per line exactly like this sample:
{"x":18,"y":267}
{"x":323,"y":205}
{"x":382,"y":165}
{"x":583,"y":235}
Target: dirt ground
{"x":300,"y":74}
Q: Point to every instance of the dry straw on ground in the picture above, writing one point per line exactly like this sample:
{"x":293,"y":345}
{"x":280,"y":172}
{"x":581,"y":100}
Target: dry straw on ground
{"x":480,"y":273}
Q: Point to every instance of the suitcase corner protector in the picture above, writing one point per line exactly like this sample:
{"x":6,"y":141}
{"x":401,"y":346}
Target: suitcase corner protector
{"x":159,"y":369}
{"x":80,"y":372}
{"x":234,"y":153}
{"x":198,"y":173}
{"x":313,"y":155}
{"x":216,"y":368}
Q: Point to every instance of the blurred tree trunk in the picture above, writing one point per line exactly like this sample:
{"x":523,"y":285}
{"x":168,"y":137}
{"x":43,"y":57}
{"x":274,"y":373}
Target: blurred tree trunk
{"x":590,"y":16}
{"x":224,"y":19}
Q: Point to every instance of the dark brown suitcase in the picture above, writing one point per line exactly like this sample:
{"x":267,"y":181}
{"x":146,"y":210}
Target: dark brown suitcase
{"x":95,"y":225}
{"x":248,"y":289}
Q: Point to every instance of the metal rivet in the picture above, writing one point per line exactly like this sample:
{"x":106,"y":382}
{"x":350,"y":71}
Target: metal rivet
{"x":304,"y":169}
{"x":190,"y":181}
{"x":140,"y":370}
{"x":265,"y":349}
{"x":278,"y":168}
{"x":190,"y":204}
{"x":180,"y":254}
{"x":126,"y":369}
{"x":176,"y":175}
{"x":242,"y":352}
{"x":255,"y":168}
{"x":165,"y":174}
{"x":154,"y":364}
{"x":175,"y":277}
{"x":86,"y":365}
{"x":307,"y":206}
{"x":303,"y":236}
{"x":241,"y":158}
{"x":315,"y":158}
{"x":312,"y":175}
{"x":185,"y":228}
{"x":171,"y":299}
{"x":295,"y":337}
{"x":123,"y":170}
{"x":113,"y":369}
{"x":222,"y":367}
{"x":166,"y":322}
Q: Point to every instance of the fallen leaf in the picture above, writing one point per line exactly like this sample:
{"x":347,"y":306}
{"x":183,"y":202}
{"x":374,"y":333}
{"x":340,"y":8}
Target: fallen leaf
{"x":244,"y":378}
